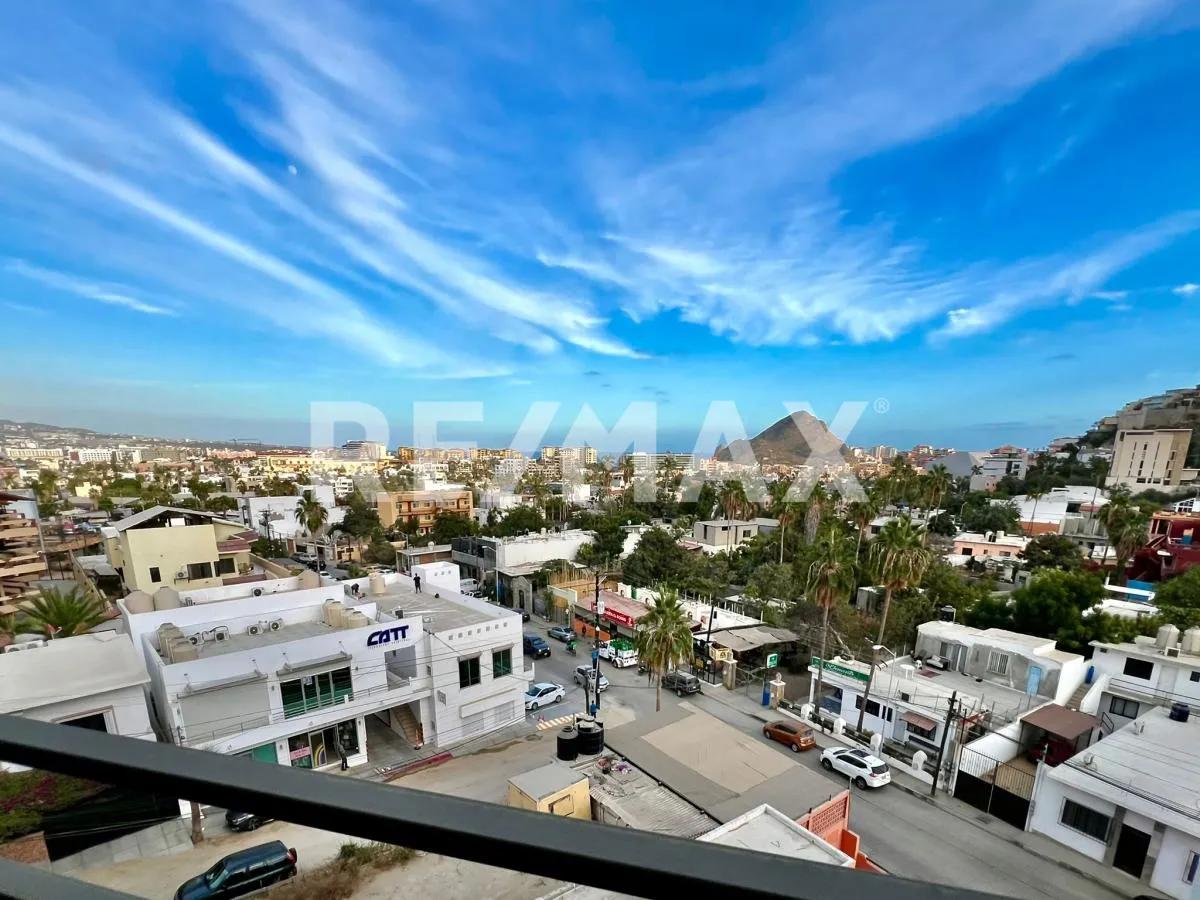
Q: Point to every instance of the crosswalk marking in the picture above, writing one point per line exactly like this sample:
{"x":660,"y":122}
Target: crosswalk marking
{"x":547,"y":724}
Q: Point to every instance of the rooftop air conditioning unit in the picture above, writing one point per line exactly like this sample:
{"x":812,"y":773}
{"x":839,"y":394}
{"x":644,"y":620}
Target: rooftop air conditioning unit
{"x":221,"y":633}
{"x":275,"y":624}
{"x":194,"y":639}
{"x":257,"y":592}
{"x":255,"y":629}
{"x":1173,"y":652}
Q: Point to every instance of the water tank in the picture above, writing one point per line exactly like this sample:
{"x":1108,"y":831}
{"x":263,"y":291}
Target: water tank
{"x":141,"y":602}
{"x":376,"y":585}
{"x":946,"y":614}
{"x":591,"y":737}
{"x":1191,"y":641}
{"x":166,"y":598}
{"x":308,"y":579}
{"x":1168,"y":636}
{"x":1179,"y":712}
{"x":568,"y":744}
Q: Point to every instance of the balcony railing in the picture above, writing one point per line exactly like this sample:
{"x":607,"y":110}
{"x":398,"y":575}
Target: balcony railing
{"x":571,"y":850}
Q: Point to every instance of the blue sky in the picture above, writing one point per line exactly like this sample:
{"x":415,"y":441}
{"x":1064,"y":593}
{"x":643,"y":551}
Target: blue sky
{"x":986,"y":214}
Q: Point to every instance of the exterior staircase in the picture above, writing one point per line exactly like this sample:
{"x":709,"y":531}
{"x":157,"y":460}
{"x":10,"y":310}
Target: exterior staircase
{"x":413,"y":732}
{"x":1077,"y":697}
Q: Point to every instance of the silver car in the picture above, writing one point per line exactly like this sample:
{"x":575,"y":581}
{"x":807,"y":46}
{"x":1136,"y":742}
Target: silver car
{"x":584,"y":674}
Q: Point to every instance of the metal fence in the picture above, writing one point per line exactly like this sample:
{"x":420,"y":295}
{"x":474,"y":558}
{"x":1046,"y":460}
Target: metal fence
{"x":1003,"y":788}
{"x":603,"y":856}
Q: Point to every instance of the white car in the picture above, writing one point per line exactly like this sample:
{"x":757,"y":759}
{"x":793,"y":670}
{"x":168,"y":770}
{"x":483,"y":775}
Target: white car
{"x":543,"y":694}
{"x":863,"y":769}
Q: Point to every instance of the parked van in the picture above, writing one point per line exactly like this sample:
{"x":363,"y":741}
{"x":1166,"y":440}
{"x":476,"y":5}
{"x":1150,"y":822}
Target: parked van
{"x":242,"y":873}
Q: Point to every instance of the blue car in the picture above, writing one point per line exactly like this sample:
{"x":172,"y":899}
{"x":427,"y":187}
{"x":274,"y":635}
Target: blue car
{"x":536,"y":646}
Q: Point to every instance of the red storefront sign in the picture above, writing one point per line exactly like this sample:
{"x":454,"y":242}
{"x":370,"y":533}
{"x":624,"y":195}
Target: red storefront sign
{"x":619,"y":618}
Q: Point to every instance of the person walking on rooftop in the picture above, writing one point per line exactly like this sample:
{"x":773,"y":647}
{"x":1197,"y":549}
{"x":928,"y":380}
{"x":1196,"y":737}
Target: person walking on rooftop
{"x":417,"y":583}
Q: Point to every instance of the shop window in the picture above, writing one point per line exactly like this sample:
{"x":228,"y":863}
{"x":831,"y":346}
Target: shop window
{"x":314,"y":691}
{"x":468,"y":672}
{"x":501,"y":662}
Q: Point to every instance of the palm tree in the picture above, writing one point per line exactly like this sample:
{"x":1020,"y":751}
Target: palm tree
{"x":861,"y":513}
{"x":313,"y":516}
{"x":664,"y":638}
{"x":1035,"y":494}
{"x":900,"y":558}
{"x":1126,"y":527}
{"x":732,"y":498}
{"x":54,"y":613}
{"x":818,"y":501}
{"x":831,"y":575}
{"x":939,"y":481}
{"x":784,"y":509}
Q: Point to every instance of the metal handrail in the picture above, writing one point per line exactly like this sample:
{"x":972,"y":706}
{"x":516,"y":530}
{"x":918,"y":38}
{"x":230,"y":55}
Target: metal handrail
{"x":604,"y":856}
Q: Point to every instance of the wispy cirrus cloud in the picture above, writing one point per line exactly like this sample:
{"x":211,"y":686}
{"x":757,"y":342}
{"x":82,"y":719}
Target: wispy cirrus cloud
{"x":1186,"y":290}
{"x":113,"y":295}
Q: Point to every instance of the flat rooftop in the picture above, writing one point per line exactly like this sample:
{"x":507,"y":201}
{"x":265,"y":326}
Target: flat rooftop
{"x":68,"y":669}
{"x":449,"y":612}
{"x":237,"y":642}
{"x":1152,"y":772}
{"x":767,"y":830}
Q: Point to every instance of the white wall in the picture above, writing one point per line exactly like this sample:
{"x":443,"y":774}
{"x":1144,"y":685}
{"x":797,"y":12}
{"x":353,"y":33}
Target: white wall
{"x":542,"y":548}
{"x":1047,"y":808}
{"x":1172,"y":858}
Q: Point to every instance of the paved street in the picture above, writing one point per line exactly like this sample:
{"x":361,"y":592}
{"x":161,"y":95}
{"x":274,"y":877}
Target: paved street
{"x":905,"y":834}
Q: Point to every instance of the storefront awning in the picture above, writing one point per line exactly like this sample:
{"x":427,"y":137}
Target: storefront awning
{"x":923,"y":722}
{"x":742,"y":639}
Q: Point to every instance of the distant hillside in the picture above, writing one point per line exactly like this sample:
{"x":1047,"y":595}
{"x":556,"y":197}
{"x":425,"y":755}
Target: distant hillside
{"x":787,"y":443}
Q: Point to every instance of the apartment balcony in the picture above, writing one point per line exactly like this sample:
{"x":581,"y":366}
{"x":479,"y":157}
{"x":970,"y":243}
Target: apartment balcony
{"x":564,"y":849}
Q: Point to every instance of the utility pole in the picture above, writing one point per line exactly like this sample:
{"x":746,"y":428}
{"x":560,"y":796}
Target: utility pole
{"x":598,"y":609}
{"x":942,"y":746}
{"x":862,"y":710}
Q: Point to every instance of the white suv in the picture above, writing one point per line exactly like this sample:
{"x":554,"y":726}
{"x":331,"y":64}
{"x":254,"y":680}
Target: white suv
{"x":860,"y":766}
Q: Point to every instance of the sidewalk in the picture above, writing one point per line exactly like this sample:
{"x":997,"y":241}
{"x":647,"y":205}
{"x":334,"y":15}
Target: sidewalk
{"x":908,"y":782}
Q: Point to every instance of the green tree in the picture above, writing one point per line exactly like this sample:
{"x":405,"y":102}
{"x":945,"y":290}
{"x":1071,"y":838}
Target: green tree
{"x":1126,"y":526}
{"x":706,"y":501}
{"x":61,"y":613}
{"x":519,"y":520}
{"x":1179,"y":599}
{"x":664,"y":637}
{"x":981,"y":514}
{"x":992,"y":611}
{"x":361,"y":519}
{"x":448,"y":526}
{"x":1052,"y":551}
{"x":899,"y":559}
{"x":1054,"y":604}
{"x":830,"y":577}
{"x":657,"y":559}
{"x":221,"y":504}
{"x":732,"y":499}
{"x":609,"y":542}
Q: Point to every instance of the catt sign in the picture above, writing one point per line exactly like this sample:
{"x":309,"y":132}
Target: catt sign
{"x":393,"y":635}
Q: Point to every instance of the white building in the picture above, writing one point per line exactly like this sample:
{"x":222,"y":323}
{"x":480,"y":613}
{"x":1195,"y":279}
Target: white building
{"x":717,"y":535}
{"x":1127,"y":679}
{"x":293,"y":676}
{"x":94,"y":681}
{"x":482,"y":554}
{"x":278,"y":514}
{"x":996,"y":466}
{"x":1045,"y":514}
{"x":1131,"y":801}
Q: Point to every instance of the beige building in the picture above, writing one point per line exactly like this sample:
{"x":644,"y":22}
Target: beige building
{"x":178,"y":548}
{"x":1150,"y":458}
{"x":21,"y":559}
{"x":421,"y":508}
{"x":555,"y":788}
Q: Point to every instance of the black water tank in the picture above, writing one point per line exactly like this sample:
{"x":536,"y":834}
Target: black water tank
{"x":946,"y":614}
{"x":568,"y":744}
{"x":591,"y":737}
{"x":1180,"y":712}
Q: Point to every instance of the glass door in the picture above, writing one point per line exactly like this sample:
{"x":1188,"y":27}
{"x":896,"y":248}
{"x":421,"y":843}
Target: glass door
{"x":319,"y":756}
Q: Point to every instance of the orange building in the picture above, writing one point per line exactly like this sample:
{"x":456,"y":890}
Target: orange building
{"x":421,"y":508}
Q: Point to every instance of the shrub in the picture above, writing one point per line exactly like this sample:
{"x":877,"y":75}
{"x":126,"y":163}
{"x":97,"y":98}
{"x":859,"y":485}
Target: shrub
{"x":341,"y":877}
